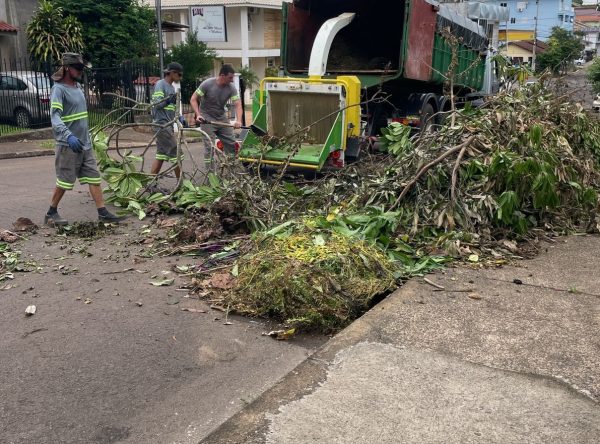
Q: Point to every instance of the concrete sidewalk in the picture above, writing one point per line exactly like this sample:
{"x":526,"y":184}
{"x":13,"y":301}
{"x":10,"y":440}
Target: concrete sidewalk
{"x":41,"y":143}
{"x":507,"y":355}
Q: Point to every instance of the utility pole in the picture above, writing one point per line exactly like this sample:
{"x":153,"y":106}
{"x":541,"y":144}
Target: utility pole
{"x":160,"y":37}
{"x":537,"y":13}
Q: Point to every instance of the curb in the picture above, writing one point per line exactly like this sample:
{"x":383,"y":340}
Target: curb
{"x":50,"y":152}
{"x":25,"y":154}
{"x":250,"y":424}
{"x":39,"y":134}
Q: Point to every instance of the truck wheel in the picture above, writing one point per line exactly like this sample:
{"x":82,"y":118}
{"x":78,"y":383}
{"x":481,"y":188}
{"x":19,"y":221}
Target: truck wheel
{"x":427,"y":119}
{"x":22,"y":118}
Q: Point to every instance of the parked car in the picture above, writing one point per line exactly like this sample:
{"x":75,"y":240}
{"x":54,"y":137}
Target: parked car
{"x":24,"y":97}
{"x":596,"y":103}
{"x":580,"y":62}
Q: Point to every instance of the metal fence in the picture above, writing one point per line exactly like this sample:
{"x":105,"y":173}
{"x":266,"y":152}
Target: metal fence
{"x":24,"y":96}
{"x":108,"y":90}
{"x":25,"y":93}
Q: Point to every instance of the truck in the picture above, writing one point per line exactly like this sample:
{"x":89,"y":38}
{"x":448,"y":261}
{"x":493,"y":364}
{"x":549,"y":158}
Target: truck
{"x":339,"y":56}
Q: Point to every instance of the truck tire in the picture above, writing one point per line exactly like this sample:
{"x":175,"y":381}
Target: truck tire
{"x":427,"y":118}
{"x":22,"y":118}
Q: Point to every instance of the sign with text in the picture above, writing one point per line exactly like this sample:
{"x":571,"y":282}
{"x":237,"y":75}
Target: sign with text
{"x":208,"y":22}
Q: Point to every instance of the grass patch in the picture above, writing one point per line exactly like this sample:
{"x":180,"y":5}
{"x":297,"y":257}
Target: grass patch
{"x":6,"y":129}
{"x":47,"y":144}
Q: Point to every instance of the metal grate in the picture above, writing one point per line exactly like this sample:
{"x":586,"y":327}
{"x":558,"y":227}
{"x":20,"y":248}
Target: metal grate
{"x":290,"y":111}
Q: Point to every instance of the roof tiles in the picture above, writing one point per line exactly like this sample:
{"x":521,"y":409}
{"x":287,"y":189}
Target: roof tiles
{"x":5,"y":27}
{"x":188,"y":3}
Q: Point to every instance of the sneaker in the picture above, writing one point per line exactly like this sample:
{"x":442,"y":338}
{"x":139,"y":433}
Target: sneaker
{"x":111,"y":218}
{"x":54,"y":220}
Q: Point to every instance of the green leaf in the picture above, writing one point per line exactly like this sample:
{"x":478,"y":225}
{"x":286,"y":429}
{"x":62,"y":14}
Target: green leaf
{"x":163,"y":282}
{"x":319,"y":240}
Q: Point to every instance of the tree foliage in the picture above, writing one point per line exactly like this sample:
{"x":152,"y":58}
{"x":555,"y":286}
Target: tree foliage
{"x":594,"y":74}
{"x":113,"y":30}
{"x":248,"y":76}
{"x":563,"y":47}
{"x":50,"y":33}
{"x":197,"y":61}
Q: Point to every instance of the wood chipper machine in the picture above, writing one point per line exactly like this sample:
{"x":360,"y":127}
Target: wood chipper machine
{"x":309,"y":122}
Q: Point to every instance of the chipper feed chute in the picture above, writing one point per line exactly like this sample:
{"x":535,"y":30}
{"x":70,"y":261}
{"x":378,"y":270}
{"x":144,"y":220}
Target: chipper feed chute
{"x":306,"y":120}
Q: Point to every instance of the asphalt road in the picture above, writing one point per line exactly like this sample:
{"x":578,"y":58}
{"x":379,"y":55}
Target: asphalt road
{"x":130,"y":365}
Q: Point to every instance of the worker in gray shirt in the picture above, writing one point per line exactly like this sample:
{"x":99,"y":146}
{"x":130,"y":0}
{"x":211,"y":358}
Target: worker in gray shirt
{"x":208,"y":102}
{"x":163,"y":113}
{"x":74,"y":158}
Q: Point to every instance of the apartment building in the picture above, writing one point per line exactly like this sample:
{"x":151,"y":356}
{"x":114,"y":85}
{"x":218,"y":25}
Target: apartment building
{"x":538,"y":17}
{"x":14,"y":17}
{"x":242,"y":32}
{"x":587,"y":21}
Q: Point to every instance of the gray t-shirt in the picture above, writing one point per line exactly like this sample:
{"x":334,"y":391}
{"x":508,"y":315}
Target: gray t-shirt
{"x":213,"y":99}
{"x":68,"y":114}
{"x":163,"y":113}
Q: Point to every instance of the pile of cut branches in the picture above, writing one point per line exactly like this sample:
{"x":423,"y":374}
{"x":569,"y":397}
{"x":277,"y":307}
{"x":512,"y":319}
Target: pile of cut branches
{"x":525,"y":162}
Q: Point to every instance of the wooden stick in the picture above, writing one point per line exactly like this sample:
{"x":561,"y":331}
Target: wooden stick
{"x":433,"y":284}
{"x":454,"y":174}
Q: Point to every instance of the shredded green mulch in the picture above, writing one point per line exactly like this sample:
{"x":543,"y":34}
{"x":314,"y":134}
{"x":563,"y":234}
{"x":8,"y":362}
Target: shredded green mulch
{"x":310,"y":280}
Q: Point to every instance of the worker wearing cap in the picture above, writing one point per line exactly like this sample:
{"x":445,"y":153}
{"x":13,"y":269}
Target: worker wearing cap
{"x":74,"y":158}
{"x":163,"y":113}
{"x":212,"y":95}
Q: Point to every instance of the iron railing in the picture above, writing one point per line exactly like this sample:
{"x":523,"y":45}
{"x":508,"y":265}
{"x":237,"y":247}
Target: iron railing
{"x":25,"y":93}
{"x":24,"y":96}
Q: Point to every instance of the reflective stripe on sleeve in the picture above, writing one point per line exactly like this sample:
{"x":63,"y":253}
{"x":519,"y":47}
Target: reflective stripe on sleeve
{"x":73,"y":117}
{"x":56,"y":105}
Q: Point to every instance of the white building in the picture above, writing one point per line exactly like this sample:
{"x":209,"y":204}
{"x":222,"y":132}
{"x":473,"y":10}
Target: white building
{"x":242,"y":32}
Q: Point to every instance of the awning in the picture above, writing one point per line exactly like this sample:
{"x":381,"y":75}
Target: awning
{"x":485,"y":11}
{"x":172,"y":26}
{"x":5,"y":27}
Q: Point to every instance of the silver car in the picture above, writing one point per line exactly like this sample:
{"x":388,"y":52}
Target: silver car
{"x":25,"y":97}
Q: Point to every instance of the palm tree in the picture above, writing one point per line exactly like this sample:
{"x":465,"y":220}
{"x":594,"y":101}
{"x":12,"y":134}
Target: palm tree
{"x":50,"y":34}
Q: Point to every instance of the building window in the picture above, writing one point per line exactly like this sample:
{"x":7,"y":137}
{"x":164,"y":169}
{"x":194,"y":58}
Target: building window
{"x":504,"y":5}
{"x":271,"y":63}
{"x":513,"y":20}
{"x":249,"y":23}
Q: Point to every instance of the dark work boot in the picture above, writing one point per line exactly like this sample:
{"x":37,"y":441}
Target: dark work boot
{"x":108,"y":217}
{"x":54,"y":220}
